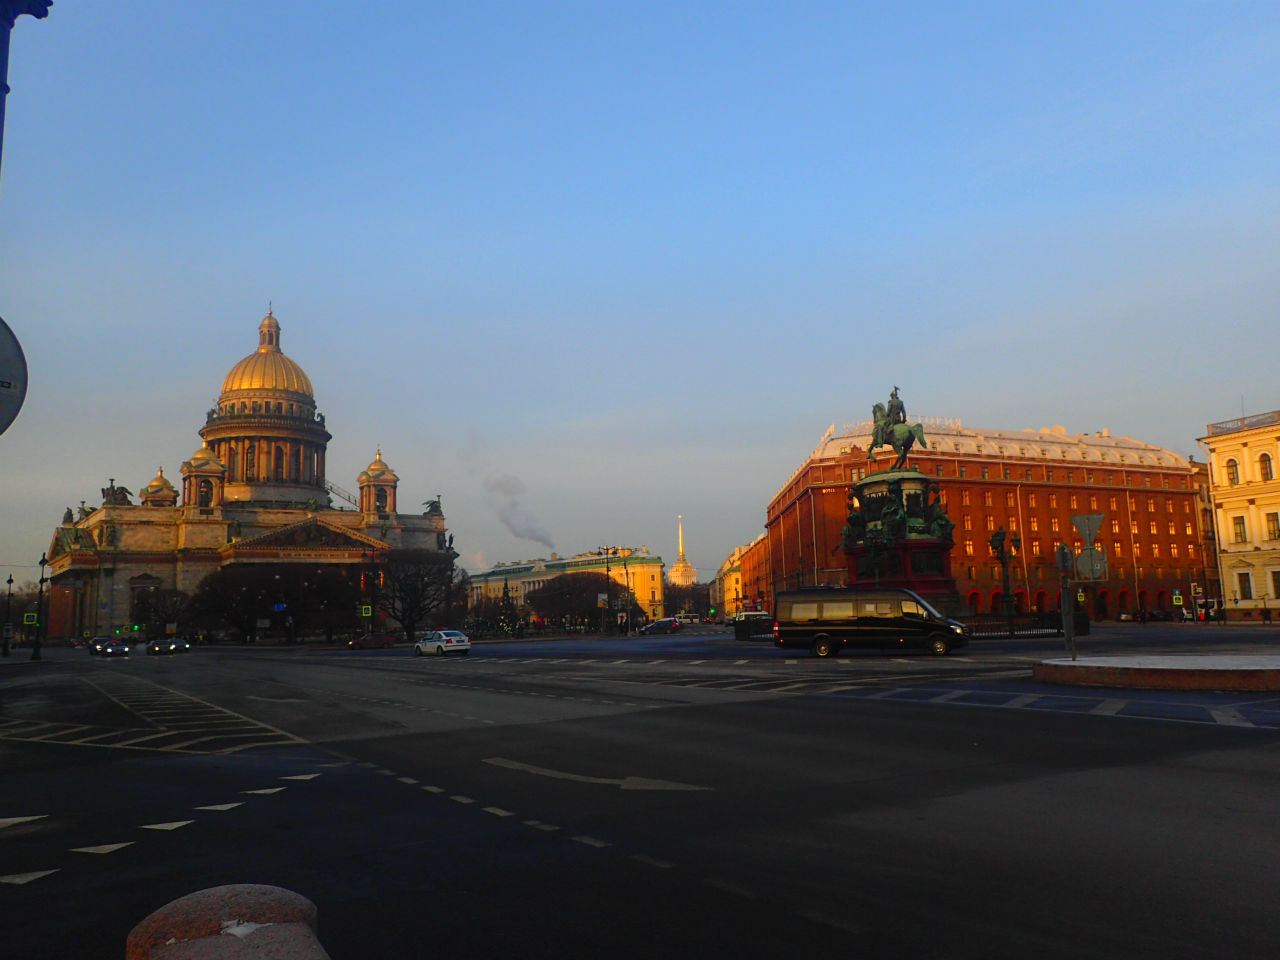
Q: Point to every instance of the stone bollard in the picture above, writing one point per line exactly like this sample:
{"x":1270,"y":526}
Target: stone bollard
{"x":241,"y":921}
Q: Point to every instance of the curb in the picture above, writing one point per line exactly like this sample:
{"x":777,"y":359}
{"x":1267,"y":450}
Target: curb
{"x":1225,"y":674}
{"x":234,"y":922}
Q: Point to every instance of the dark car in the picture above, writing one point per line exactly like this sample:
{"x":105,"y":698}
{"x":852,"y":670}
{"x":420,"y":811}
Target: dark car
{"x":162,"y":645}
{"x":97,"y":643}
{"x":115,"y":648}
{"x":369,"y":641}
{"x":826,"y":621}
{"x":665,"y":625}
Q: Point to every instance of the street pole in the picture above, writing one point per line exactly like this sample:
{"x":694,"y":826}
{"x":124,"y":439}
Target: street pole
{"x":10,"y":11}
{"x":35,"y":646}
{"x":1064,"y":560}
{"x":8,"y":621}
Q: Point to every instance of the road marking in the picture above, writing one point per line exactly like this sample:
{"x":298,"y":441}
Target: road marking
{"x":499,"y":812}
{"x":172,"y":825}
{"x":458,"y":798}
{"x":301,"y":776}
{"x":13,"y":821}
{"x":1107,"y":708}
{"x":944,"y":697}
{"x":266,"y":790}
{"x":409,"y":780}
{"x":539,"y":825}
{"x":1230,"y":718}
{"x":651,"y":861}
{"x":591,"y":842}
{"x":434,"y":789}
{"x":626,"y":783}
{"x":20,"y":878}
{"x":105,"y":848}
{"x":1023,"y":700}
{"x":221,"y":807}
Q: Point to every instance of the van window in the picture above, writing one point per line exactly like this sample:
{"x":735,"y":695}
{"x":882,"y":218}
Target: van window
{"x":875,"y":608}
{"x":912,"y":609}
{"x":837,"y":610}
{"x":804,"y":611}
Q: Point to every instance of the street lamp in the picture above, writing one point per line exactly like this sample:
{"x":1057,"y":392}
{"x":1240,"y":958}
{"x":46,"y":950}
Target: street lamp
{"x":35,"y":645}
{"x":1003,"y":557}
{"x":8,"y":622}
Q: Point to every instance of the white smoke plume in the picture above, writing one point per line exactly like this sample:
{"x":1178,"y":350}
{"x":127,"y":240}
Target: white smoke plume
{"x":504,"y":492}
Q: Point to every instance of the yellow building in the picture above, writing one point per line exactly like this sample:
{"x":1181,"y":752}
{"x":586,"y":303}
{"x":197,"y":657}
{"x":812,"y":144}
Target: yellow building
{"x":636,"y":570}
{"x":254,"y":493}
{"x":1243,"y":456}
{"x":726,"y":587}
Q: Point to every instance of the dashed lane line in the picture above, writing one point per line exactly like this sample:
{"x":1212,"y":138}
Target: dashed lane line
{"x":14,"y":821}
{"x":21,"y":878}
{"x":102,"y":849}
{"x":172,"y":825}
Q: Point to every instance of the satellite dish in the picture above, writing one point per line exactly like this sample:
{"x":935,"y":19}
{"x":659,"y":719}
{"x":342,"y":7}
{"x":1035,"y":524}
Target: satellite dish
{"x":13,"y":376}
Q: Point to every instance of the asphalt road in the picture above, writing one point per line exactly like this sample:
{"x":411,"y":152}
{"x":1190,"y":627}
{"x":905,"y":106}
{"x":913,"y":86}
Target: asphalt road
{"x":629,"y":797}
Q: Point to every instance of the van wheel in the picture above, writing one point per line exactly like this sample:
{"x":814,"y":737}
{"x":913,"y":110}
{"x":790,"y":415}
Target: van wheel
{"x":939,"y":647}
{"x":824,"y":647}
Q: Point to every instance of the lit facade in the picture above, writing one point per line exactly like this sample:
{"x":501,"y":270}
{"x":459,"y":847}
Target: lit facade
{"x":1029,"y":483}
{"x":1244,"y":455}
{"x":637,"y":570}
{"x":254,"y":493}
{"x":682,"y":573}
{"x":726,"y":587}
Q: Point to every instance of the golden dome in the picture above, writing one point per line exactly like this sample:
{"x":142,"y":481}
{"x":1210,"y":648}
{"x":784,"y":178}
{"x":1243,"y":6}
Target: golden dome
{"x":204,"y":459}
{"x":267,"y":369}
{"x":378,"y":470}
{"x":160,"y":484}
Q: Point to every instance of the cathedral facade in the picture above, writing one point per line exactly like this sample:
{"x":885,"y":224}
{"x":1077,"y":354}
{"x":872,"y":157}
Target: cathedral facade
{"x":254,"y":493}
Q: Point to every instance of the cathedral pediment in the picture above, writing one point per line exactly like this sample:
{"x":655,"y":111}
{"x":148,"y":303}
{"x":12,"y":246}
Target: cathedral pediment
{"x":310,"y":534}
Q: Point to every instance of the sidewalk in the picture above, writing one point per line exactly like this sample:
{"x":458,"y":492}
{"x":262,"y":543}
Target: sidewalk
{"x":1220,"y":672}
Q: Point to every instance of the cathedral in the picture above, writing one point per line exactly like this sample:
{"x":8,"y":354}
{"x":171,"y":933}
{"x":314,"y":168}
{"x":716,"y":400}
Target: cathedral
{"x":254,"y":493}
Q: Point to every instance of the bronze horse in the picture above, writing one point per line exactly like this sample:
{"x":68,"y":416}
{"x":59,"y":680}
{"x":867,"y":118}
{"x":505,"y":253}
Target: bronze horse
{"x":900,"y":436}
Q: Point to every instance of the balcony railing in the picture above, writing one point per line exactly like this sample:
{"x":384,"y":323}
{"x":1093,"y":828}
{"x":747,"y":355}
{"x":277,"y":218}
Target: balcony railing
{"x":1244,"y":423}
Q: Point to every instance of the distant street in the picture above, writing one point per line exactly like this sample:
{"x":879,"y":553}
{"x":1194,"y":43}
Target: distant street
{"x":631,"y":797}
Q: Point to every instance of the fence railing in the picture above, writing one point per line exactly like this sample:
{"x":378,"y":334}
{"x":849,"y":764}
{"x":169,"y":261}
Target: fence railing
{"x":1048,"y":624}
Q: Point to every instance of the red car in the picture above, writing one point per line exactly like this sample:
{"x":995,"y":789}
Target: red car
{"x":371,"y":641}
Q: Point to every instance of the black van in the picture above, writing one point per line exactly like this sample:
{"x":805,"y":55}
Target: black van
{"x":825,"y":621}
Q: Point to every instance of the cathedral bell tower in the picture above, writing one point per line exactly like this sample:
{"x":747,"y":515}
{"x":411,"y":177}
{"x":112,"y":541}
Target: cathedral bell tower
{"x":378,"y":489}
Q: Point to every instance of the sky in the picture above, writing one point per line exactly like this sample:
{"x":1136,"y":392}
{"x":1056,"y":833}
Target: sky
{"x":581,"y":267}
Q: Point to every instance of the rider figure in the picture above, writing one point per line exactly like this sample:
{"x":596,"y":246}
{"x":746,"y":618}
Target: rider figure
{"x":897,"y":411}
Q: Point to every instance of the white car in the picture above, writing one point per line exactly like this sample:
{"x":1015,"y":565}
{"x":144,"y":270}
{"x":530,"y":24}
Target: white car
{"x":441,"y":642}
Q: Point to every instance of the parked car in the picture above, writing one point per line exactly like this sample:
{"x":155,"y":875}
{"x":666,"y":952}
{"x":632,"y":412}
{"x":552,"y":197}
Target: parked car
{"x":97,"y":643}
{"x":665,"y":625}
{"x":368,"y":641}
{"x":115,"y":648}
{"x":441,"y":642}
{"x":1125,"y":617}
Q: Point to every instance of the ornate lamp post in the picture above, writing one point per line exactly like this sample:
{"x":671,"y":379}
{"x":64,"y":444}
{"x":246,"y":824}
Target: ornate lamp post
{"x":35,"y":644}
{"x":1003,"y":557}
{"x":8,"y":623}
{"x":10,"y":11}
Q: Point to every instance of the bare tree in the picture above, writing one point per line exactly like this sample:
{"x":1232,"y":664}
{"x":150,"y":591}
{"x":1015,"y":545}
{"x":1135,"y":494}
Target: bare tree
{"x":415,"y":586}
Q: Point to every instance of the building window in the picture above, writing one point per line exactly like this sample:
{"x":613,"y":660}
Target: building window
{"x":991,"y":523}
{"x":1173,"y":550}
{"x":1008,"y":474}
{"x":1053,"y":500}
{"x":1035,"y":524}
{"x":1115,"y":548}
{"x":1053,"y":524}
{"x":1237,"y":525}
{"x":968,"y":522}
{"x":1168,"y":505}
{"x":1152,"y":527}
{"x":1264,"y":467}
{"x":1031,"y":499}
{"x":986,"y":498}
{"x":968,"y":550}
{"x":1035,"y":548}
{"x":1028,"y":473}
{"x":1013,"y":522}
{"x":1191,"y":550}
{"x":964,"y":496}
{"x":1090,"y":477}
{"x":1233,"y":472}
{"x":1073,"y":502}
{"x":1115,"y":525}
{"x":1113,"y":503}
{"x":1133,"y":527}
{"x":1008,"y":499}
{"x":1245,"y":582}
{"x":1188,"y":528}
{"x":1151,"y":505}
{"x":986,"y":474}
{"x":962,"y":470}
{"x":1173,"y":528}
{"x":938,"y":470}
{"x":1275,"y":583}
{"x":1137,"y":550}
{"x":1273,"y":526}
{"x":1155,"y":550}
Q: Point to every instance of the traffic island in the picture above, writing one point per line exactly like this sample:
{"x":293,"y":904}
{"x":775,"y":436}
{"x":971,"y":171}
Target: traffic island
{"x":242,"y":921}
{"x":1221,"y":672}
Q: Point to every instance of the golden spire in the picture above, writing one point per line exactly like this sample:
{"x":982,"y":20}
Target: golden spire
{"x":680,"y":533}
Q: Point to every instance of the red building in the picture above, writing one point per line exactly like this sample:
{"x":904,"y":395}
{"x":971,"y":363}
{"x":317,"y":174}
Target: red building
{"x":1030,"y":483}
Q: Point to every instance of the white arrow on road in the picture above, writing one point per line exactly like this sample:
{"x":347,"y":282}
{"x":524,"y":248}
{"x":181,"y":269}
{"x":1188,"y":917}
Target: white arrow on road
{"x":627,"y":783}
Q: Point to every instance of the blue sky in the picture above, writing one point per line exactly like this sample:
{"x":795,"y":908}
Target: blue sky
{"x":629,"y":259}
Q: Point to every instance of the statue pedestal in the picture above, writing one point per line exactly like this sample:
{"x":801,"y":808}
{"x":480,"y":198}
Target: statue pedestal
{"x":900,"y":542}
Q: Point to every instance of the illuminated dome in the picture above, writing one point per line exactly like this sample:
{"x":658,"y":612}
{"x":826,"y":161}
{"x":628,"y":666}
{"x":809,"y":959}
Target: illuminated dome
{"x":159,"y":485}
{"x":267,"y":370}
{"x":378,"y":470}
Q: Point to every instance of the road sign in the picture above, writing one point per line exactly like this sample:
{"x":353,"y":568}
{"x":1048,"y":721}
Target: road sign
{"x":1196,"y":590}
{"x":1079,"y":596}
{"x":1177,"y":599}
{"x":1091,"y":564}
{"x":602,"y":600}
{"x":1088,"y":524}
{"x":28,"y":618}
{"x":366,"y":610}
{"x":13,"y":375}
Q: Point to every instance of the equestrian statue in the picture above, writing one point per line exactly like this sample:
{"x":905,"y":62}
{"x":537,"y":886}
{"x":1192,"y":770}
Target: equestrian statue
{"x":890,"y":428}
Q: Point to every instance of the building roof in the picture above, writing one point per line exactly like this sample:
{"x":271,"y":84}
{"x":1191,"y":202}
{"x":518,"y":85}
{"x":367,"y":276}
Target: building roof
{"x":267,"y":369}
